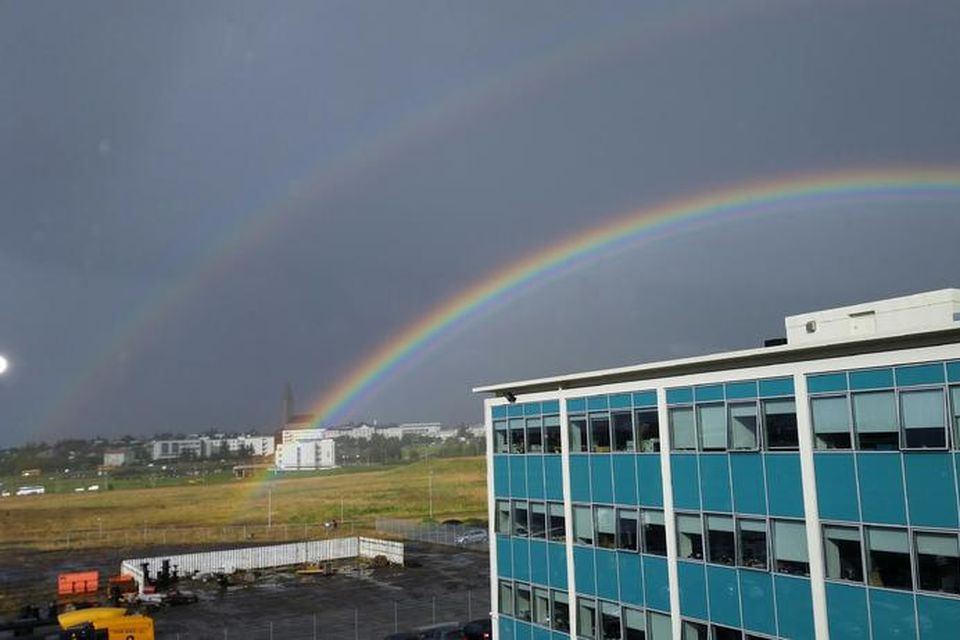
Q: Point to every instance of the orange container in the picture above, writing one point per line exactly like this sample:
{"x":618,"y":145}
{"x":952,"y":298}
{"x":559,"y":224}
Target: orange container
{"x":78,"y":583}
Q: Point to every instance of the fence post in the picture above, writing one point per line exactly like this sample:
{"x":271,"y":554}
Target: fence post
{"x":356,"y":624}
{"x":271,"y":630}
{"x":469,"y":604}
{"x":434,"y":609}
{"x":224,"y":633}
{"x":396,"y":618}
{"x":314,"y":626}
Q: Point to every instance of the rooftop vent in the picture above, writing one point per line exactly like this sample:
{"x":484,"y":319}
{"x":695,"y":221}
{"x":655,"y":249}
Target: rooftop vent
{"x":774,"y":342}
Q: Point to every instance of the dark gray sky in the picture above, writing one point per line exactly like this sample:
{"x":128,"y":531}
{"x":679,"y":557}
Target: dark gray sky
{"x":200,"y":201}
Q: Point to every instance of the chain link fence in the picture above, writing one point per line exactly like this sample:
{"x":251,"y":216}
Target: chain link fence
{"x":454,"y":535}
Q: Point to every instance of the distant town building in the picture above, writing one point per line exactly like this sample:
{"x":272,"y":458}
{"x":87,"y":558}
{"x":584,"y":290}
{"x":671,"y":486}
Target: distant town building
{"x":210,"y":446}
{"x":431,"y":429}
{"x":117,"y":457}
{"x":303,"y":455}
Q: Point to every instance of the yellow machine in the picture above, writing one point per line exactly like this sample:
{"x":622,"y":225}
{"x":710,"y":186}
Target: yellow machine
{"x":109,"y":623}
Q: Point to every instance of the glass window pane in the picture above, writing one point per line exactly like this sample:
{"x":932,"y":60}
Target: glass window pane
{"x":522,"y":607}
{"x":600,"y":432}
{"x":689,"y":537}
{"x":534,"y":435}
{"x":790,"y":548}
{"x":831,"y":422}
{"x":888,"y":555}
{"x":654,"y":532}
{"x":955,"y":413}
{"x":506,"y":598}
{"x":538,"y":520}
{"x":578,"y":434}
{"x":541,"y":606}
{"x":693,"y":630}
{"x":721,"y":547}
{"x":551,"y":434}
{"x":659,"y":625}
{"x":561,"y":611}
{"x":583,"y":525}
{"x":780,"y":424}
{"x":586,"y":618}
{"x":558,"y":531}
{"x":841,"y":548}
{"x":683,"y":435}
{"x":606,"y":532}
{"x":924,"y":422}
{"x":623,"y":431}
{"x":609,"y":621}
{"x":504,"y":523}
{"x":725,"y":633}
{"x":875,"y":420}
{"x":517,"y":436}
{"x":753,"y":543}
{"x":713,"y":427}
{"x":634,"y":624}
{"x":648,"y":430}
{"x":521,"y":524}
{"x":743,"y":426}
{"x":501,"y":444}
{"x":938,"y":562}
{"x":627,"y":530}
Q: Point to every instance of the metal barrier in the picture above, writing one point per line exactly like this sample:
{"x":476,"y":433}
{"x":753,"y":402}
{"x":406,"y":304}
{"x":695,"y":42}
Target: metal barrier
{"x":453,"y":535}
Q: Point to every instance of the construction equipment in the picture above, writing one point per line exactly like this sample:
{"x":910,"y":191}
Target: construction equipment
{"x":105,"y":623}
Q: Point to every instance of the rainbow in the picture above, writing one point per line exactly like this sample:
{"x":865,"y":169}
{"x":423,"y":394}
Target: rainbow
{"x":793,"y":193}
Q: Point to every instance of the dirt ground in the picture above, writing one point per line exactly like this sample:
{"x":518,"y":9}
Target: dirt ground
{"x":439,"y":584}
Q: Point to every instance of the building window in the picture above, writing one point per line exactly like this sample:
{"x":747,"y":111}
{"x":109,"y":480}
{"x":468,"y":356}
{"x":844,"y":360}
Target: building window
{"x":600,"y":432}
{"x":578,"y":434}
{"x":790,"y":548}
{"x":521,"y":524}
{"x":501,"y":444}
{"x":583,"y":525}
{"x":780,"y":423}
{"x":690,"y":537}
{"x":538,"y":520}
{"x":683,"y":434}
{"x":743,"y":426}
{"x":712,"y":419}
{"x":506,"y":598}
{"x":517,"y":436}
{"x":634,"y":625}
{"x":610,"y":621}
{"x":875,"y":420}
{"x":606,"y":528}
{"x":753,"y":543}
{"x":888,"y":555}
{"x":534,"y":435}
{"x":955,"y":412}
{"x":648,"y":430}
{"x":721,"y":547}
{"x":938,"y":562}
{"x":654,"y":532}
{"x":558,"y":526}
{"x":586,"y":618}
{"x":551,"y":434}
{"x":831,"y":422}
{"x":561,"y":611}
{"x":659,"y":625}
{"x":623,"y":439}
{"x":522,"y":610}
{"x":841,"y":548}
{"x":924,"y":422}
{"x":541,"y":606}
{"x":627,"y":530}
{"x":690,"y":630}
{"x":725,"y":633}
{"x":504,"y":525}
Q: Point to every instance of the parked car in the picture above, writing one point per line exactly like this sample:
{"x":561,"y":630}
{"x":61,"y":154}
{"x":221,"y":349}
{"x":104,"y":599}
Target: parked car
{"x":403,"y":635}
{"x":481,"y":629}
{"x":440,"y":631}
{"x":472,"y":537}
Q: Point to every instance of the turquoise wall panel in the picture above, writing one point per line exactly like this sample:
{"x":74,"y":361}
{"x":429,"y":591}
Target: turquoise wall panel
{"x":504,"y":557}
{"x":693,"y":589}
{"x":551,"y":407}
{"x":499,"y":411}
{"x":518,"y":476}
{"x":501,"y":476}
{"x":631,"y":580}
{"x":723,"y":592}
{"x":892,"y":615}
{"x":645,"y":399}
{"x":649,"y":480}
{"x":621,"y":401}
{"x":557,"y":558}
{"x":656,"y":588}
{"x":785,"y":490}
{"x":939,"y":618}
{"x":521,"y":559}
{"x":580,"y":477}
{"x":920,"y":374}
{"x":607,"y":583}
{"x":827,"y":382}
{"x":741,"y":390}
{"x":597,"y":403}
{"x":776,"y":387}
{"x":748,"y":493}
{"x":953,"y":371}
{"x":685,"y":480}
{"x":539,"y":567}
{"x":523,"y":630}
{"x":715,"y":482}
{"x":847,"y":612}
{"x":535,"y":476}
{"x":931,"y":489}
{"x":576,"y":405}
{"x":506,"y":628}
{"x":624,"y":479}
{"x":531,"y":409}
{"x":515,"y":410}
{"x":601,"y":477}
{"x":583,"y":569}
{"x":708,"y":393}
{"x":756,"y":594}
{"x":881,"y":488}
{"x":836,"y":486}
{"x":680,"y":395}
{"x":553,"y":476}
{"x":539,"y":633}
{"x":871,"y":379}
{"x":794,"y":607}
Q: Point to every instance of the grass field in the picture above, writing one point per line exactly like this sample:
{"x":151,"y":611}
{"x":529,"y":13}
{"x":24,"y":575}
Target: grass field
{"x":458,"y":487}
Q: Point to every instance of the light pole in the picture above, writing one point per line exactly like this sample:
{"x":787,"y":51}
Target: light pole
{"x":431,"y":493}
{"x":269,"y":507}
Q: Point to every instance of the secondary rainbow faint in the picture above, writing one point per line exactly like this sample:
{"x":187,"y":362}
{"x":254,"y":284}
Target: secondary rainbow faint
{"x":793,"y":194}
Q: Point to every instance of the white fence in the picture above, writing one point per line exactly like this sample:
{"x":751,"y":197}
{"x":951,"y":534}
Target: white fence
{"x":279,"y":555}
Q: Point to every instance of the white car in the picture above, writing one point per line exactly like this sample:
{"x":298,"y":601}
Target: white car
{"x":472,"y":537}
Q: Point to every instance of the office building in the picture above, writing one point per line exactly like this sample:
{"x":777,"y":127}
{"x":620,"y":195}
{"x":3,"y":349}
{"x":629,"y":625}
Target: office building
{"x":806,"y":489}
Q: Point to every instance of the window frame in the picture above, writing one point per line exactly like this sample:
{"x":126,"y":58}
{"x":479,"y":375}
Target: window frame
{"x":944,"y":405}
{"x":766,"y":429}
{"x":851,"y":432}
{"x":824,"y":525}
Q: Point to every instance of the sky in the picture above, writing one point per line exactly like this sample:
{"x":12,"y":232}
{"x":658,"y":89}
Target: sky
{"x":200,"y":202}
